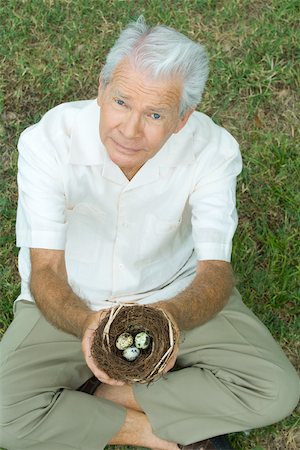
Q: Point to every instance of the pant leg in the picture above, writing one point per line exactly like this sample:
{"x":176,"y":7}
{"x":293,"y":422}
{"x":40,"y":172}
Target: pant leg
{"x":41,"y":368}
{"x":230,"y":376}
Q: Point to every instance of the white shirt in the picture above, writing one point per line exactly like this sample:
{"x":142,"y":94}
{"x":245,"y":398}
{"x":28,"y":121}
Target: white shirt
{"x":124,"y":240}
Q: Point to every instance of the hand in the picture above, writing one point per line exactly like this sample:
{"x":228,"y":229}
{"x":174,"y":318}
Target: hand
{"x":87,"y":340}
{"x":172,"y":361}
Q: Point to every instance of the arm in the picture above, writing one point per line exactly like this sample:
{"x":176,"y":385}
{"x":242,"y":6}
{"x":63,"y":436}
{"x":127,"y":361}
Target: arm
{"x":204,"y":298}
{"x":53,"y":295}
{"x":61,"y":306}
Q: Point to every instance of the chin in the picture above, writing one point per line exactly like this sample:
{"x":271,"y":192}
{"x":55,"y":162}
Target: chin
{"x":123,"y":161}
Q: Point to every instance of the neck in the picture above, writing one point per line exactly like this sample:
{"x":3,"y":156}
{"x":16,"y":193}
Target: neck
{"x":130,"y":173}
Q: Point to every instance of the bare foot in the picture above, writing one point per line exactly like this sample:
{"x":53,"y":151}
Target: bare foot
{"x":137,"y":431}
{"x":122,"y":395}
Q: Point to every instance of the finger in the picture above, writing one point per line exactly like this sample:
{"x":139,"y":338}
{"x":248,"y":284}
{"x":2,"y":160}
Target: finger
{"x":172,"y":362}
{"x":169,"y":366}
{"x":86,"y":345}
{"x":101,"y":375}
{"x":114,"y":382}
{"x":108,"y":380}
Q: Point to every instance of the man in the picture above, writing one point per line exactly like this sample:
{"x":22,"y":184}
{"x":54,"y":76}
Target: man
{"x":131,"y":198}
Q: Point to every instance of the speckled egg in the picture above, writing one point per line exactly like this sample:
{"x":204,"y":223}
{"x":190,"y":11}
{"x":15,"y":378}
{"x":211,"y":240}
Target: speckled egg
{"x":131,"y":353}
{"x":142,"y":340}
{"x":124,"y":341}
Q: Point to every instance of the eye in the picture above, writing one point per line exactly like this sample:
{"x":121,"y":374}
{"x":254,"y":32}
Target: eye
{"x":119,"y":102}
{"x":155,"y":116}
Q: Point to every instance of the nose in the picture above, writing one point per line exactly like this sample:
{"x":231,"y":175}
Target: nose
{"x":131,"y":125}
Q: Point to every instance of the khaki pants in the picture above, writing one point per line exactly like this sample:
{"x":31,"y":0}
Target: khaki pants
{"x":230,"y":376}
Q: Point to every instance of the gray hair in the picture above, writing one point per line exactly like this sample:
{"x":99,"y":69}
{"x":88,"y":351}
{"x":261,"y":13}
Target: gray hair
{"x":164,"y":53}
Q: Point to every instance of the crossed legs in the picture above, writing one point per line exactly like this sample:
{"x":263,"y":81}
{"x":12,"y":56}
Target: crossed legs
{"x":230,"y":376}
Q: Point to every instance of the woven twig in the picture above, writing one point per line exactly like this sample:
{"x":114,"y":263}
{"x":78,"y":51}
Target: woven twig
{"x":149,"y":366}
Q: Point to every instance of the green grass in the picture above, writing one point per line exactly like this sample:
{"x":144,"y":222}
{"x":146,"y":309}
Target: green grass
{"x":52,"y":51}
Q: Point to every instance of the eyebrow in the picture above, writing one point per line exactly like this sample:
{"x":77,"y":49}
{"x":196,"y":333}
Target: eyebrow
{"x":159,"y":109}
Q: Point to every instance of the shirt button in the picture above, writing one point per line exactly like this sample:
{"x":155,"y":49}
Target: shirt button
{"x":121,"y":266}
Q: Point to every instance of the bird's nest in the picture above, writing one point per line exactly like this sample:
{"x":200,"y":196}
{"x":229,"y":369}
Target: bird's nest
{"x":149,"y":365}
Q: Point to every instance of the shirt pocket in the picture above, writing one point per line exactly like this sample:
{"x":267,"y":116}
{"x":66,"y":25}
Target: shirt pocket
{"x":84,"y":231}
{"x":158,"y":237}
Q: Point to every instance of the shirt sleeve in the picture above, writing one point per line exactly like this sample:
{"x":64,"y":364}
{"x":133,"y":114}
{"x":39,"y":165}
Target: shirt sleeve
{"x":213,"y":200}
{"x":41,"y":204}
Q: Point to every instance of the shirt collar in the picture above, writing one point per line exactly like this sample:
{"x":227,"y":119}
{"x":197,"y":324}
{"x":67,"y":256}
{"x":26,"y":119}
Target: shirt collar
{"x":87,"y":148}
{"x":178,"y":150}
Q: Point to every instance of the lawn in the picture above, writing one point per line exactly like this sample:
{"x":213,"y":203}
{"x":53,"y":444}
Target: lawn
{"x":52,"y":51}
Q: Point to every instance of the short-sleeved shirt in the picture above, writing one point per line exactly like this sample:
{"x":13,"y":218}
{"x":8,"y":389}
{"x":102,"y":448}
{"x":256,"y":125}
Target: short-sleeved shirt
{"x":124,"y":241}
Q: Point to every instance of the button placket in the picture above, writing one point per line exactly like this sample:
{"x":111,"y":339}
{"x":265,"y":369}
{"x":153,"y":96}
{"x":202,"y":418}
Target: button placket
{"x":122,"y":224}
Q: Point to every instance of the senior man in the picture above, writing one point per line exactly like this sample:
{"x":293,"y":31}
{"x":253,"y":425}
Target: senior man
{"x":131,"y":198}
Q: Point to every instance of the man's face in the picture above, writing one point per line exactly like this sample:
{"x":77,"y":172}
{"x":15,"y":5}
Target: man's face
{"x":138,"y":116}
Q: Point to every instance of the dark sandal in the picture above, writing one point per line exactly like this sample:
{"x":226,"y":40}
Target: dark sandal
{"x":90,"y":386}
{"x":216,"y":443}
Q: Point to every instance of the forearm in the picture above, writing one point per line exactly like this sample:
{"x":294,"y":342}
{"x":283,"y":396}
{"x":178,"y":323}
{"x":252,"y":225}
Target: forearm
{"x":204,"y":298}
{"x":58,"y":303}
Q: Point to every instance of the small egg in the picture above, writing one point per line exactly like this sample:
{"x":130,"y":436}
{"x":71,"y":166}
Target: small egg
{"x":131,"y":353}
{"x":142,"y":340}
{"x":123,"y":341}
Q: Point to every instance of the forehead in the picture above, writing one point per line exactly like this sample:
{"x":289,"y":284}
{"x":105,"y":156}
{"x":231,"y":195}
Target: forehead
{"x":135,"y":85}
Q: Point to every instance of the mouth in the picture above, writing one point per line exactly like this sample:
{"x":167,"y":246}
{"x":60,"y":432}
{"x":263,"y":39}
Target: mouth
{"x":124,"y":148}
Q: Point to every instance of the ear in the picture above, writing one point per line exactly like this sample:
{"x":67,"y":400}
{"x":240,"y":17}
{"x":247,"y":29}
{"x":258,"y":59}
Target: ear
{"x":183,"y":120}
{"x":101,"y":89}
